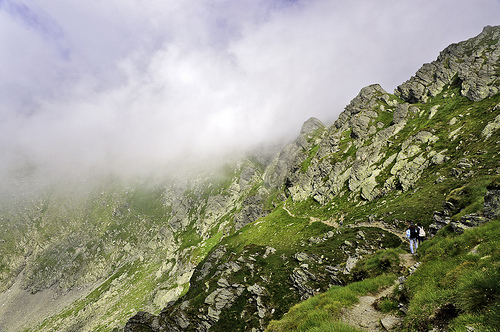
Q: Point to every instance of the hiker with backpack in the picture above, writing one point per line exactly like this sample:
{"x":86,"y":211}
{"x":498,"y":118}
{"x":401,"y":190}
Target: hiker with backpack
{"x":421,"y":234}
{"x":412,"y":235}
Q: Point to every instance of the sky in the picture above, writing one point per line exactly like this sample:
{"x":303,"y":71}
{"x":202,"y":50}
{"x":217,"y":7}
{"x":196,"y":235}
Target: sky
{"x":134,"y":86}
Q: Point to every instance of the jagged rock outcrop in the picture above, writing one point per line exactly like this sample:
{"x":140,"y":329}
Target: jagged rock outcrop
{"x":492,"y":203}
{"x":492,"y":126}
{"x":292,"y":154}
{"x":252,"y":209}
{"x":474,"y":63}
{"x":334,"y":168}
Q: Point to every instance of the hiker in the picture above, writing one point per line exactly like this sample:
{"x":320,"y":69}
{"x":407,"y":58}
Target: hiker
{"x":421,"y":234}
{"x":412,"y":235}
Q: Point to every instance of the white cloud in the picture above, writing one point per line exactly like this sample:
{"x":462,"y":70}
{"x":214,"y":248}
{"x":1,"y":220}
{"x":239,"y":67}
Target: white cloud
{"x":134,"y":85}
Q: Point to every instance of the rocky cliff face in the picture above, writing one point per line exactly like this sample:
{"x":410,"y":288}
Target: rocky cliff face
{"x":473,"y":63}
{"x":340,"y":193}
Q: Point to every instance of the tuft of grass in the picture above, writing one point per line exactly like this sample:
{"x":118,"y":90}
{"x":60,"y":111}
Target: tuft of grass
{"x":495,"y":183}
{"x":388,"y":305}
{"x":312,"y":152}
{"x":383,"y":261}
{"x":480,"y":291}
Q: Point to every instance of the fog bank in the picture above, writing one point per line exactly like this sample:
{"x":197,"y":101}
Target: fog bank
{"x":142,"y":87}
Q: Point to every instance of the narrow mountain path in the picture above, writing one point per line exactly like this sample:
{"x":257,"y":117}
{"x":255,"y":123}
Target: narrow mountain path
{"x":377,"y":224}
{"x":381,"y":225}
{"x":365,"y":317}
{"x":407,"y":260}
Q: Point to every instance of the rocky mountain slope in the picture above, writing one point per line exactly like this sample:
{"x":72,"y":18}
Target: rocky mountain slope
{"x":235,"y":248}
{"x":389,"y":159}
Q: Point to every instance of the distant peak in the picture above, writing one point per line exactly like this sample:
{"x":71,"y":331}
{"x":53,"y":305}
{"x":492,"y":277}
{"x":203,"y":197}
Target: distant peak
{"x":311,"y":125}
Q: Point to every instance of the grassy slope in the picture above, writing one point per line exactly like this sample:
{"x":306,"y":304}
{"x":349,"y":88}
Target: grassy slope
{"x":457,"y":284}
{"x":449,"y":273}
{"x":321,"y":313}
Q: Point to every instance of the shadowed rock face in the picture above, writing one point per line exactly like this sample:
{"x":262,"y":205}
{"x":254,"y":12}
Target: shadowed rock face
{"x":473,"y":63}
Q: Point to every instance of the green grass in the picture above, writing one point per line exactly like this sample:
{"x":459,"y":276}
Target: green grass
{"x":312,"y":152}
{"x":455,"y":286}
{"x":453,"y":278}
{"x":278,"y":229}
{"x":382,"y":262}
{"x":469,"y":198}
{"x":320,"y":312}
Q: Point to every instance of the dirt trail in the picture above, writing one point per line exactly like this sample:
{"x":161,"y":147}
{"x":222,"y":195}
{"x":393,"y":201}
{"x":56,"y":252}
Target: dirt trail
{"x":364,"y":316}
{"x":377,"y":224}
{"x":381,"y":225}
{"x":407,"y":260}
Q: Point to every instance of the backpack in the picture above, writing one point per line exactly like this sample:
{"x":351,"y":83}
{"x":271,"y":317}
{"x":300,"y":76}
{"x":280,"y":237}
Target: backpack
{"x":413,"y":232}
{"x":421,"y":232}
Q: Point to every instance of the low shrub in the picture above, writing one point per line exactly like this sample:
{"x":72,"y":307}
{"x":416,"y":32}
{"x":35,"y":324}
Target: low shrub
{"x":383,"y":261}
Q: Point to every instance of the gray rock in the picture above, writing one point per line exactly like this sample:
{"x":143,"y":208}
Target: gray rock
{"x":491,"y":127}
{"x":474,"y":250}
{"x":142,"y":318}
{"x":492,"y":203}
{"x":300,"y":280}
{"x":441,"y":219}
{"x":414,"y":268}
{"x":366,"y":100}
{"x":438,"y":158}
{"x":350,"y":264}
{"x":440,"y":179}
{"x":465,"y":60}
{"x":400,"y":113}
{"x":359,"y":124}
{"x":464,"y":164}
{"x":389,"y":322}
{"x":251,"y":210}
{"x":301,"y":256}
{"x":269,"y":251}
{"x":211,"y":261}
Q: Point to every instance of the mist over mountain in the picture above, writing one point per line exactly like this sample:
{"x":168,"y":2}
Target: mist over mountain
{"x":139,"y":88}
